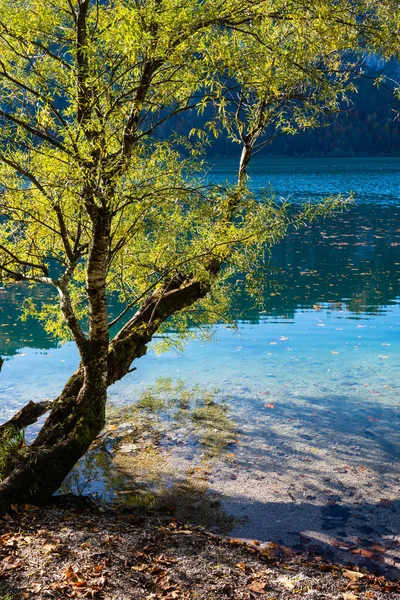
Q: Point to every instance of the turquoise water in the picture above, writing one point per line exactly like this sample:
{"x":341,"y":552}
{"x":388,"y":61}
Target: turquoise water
{"x":312,"y":381}
{"x":338,"y":305}
{"x":340,"y":293}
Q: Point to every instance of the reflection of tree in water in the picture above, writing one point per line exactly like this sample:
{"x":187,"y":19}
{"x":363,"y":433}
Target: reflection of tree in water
{"x":350,"y":261}
{"x":352,"y":258}
{"x":133,"y":462}
{"x":15,"y":333}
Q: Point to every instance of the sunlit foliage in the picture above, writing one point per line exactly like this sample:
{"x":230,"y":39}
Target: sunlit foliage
{"x":85,"y":85}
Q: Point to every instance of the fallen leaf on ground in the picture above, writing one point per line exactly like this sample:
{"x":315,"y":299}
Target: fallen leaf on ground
{"x":378,"y":548}
{"x":11,"y":563}
{"x":141,"y":567}
{"x":385,"y":502}
{"x":353,"y":575}
{"x":257,"y":586}
{"x":367,"y":553}
{"x":51,"y":545}
{"x":289,"y":584}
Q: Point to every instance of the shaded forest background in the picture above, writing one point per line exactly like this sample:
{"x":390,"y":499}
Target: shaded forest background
{"x":368,"y":127}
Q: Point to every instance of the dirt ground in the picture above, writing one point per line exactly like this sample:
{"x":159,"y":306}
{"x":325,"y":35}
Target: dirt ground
{"x":77,"y":549}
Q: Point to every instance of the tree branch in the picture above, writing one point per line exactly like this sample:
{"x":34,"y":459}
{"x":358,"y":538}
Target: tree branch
{"x":25,"y":263}
{"x":69,"y":313}
{"x":28,"y":415}
{"x":82,"y":89}
{"x":33,"y":130}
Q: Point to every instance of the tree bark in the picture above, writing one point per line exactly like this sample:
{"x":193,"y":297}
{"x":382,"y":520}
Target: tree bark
{"x":42,"y":468}
{"x":28,"y":415}
{"x":78,"y":414}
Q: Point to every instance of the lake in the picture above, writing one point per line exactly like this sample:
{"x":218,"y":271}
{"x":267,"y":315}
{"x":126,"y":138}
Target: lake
{"x":312,"y":381}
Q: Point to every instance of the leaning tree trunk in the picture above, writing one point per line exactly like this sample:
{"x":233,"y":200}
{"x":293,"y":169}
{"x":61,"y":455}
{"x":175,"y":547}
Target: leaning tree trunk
{"x":77,"y":416}
{"x":44,"y":466}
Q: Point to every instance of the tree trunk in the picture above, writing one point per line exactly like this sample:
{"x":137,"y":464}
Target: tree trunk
{"x":64,"y":440}
{"x":78,"y":414}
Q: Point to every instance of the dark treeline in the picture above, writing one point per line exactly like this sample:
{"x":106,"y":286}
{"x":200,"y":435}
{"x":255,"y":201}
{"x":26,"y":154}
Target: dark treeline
{"x":367,"y":127}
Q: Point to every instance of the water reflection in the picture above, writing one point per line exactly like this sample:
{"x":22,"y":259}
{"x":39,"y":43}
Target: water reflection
{"x":14,"y":333}
{"x":349,"y":261}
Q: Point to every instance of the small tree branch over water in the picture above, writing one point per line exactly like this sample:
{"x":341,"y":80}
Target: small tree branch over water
{"x":98,"y":200}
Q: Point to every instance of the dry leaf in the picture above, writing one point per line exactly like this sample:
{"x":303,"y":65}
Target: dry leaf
{"x":172,"y":595}
{"x":378,"y":548}
{"x":51,"y":545}
{"x":70,"y":574}
{"x":141,"y":567}
{"x":257,"y":586}
{"x":366,"y":553}
{"x":354,"y":576}
{"x":289,"y":584}
{"x":385,"y":502}
{"x":241,"y":565}
{"x":10,"y":563}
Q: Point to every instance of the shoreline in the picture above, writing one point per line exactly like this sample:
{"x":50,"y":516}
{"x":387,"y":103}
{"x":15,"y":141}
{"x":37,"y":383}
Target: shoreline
{"x":73,"y":548}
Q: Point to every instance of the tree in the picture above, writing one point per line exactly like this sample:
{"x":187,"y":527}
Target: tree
{"x":95,"y":205}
